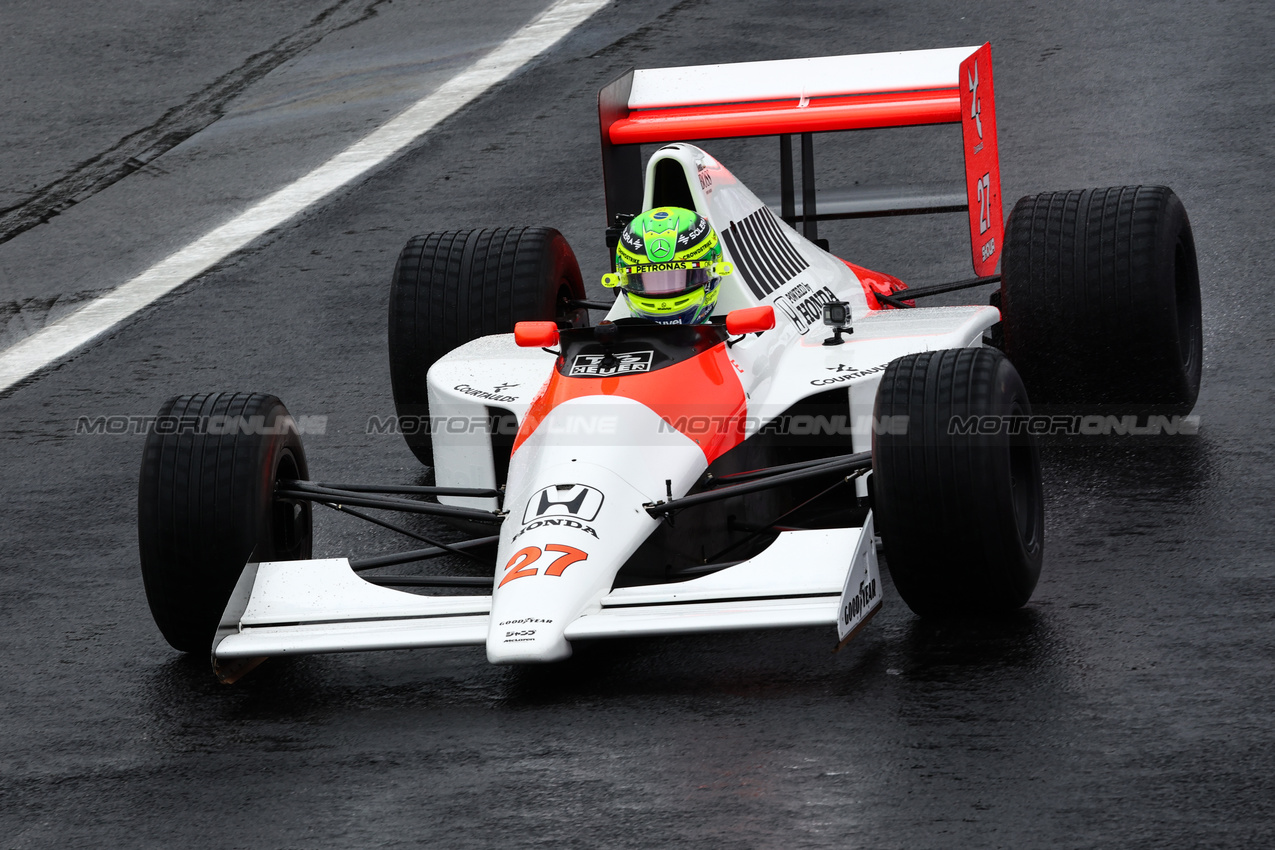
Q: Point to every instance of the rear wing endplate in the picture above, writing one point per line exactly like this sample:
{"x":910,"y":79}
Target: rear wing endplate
{"x":806,"y":96}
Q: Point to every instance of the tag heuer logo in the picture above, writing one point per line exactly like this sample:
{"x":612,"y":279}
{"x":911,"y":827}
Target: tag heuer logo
{"x":575,"y":500}
{"x":619,"y":364}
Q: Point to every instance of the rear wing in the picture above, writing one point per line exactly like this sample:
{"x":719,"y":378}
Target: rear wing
{"x":805,"y":96}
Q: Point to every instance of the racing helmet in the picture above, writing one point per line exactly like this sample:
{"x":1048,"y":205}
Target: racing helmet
{"x":668,"y":264}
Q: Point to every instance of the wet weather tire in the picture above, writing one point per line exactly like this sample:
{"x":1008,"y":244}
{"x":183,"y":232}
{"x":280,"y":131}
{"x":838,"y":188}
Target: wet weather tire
{"x":1100,"y":297}
{"x":455,"y":286}
{"x":206,"y":505}
{"x":960,"y":510}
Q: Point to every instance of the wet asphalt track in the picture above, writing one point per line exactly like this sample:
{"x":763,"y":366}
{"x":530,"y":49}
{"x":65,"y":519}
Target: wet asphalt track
{"x":1129,"y":704}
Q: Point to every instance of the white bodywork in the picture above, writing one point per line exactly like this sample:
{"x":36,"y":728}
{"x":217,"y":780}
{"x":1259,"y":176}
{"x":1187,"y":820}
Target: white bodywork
{"x":819,"y":76}
{"x":777,"y":368}
{"x":303,"y":607}
{"x":601,"y":458}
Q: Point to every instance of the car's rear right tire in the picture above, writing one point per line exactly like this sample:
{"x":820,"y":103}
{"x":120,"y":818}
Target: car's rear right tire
{"x":455,"y":286}
{"x":1100,"y":301}
{"x":958,"y":504}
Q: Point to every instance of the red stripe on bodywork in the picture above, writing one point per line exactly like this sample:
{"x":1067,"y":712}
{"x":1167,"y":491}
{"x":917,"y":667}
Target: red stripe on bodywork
{"x":701,"y":397}
{"x":877,"y":282}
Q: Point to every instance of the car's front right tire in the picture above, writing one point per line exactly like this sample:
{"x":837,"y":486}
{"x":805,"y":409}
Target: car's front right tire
{"x":455,"y":286}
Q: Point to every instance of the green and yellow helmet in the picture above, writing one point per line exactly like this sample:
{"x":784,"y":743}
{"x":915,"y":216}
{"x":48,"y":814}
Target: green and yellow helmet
{"x":668,"y":264}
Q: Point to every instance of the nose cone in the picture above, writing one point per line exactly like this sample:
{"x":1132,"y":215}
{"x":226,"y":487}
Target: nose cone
{"x":575,"y":516}
{"x":560,"y":548}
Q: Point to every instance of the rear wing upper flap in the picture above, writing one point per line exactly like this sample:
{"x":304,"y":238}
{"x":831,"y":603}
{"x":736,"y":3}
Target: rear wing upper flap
{"x":806,"y":96}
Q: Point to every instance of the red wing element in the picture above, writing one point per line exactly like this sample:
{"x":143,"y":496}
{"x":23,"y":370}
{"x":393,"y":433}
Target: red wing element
{"x":814,"y":95}
{"x":857,"y":112}
{"x":982,"y":162}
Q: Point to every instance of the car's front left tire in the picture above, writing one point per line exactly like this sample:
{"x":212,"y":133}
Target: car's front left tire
{"x":957,"y":494}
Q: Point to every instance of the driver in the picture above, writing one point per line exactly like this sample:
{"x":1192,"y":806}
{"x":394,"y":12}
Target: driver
{"x":668,"y":264}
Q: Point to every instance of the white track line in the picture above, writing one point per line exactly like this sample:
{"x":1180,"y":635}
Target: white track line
{"x":58,"y":340}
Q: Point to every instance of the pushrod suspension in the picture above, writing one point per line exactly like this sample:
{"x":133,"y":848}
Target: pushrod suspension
{"x":407,"y":532}
{"x":845,"y":463}
{"x":399,"y":489}
{"x":898,"y":298}
{"x":396,"y":558}
{"x":765,"y":472}
{"x":314,"y":493}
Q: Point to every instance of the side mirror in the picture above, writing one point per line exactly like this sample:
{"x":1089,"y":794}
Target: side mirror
{"x":750,"y":320}
{"x":536,"y":334}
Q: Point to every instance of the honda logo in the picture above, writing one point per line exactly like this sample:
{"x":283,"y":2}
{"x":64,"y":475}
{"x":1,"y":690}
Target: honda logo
{"x":575,"y":500}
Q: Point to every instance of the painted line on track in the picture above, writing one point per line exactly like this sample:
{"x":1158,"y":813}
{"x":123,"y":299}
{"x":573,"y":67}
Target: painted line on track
{"x":57,"y":341}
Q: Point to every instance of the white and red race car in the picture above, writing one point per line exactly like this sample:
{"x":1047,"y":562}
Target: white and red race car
{"x":631,"y":478}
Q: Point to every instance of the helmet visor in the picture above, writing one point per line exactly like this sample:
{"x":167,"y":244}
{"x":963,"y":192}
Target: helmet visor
{"x":664,"y":279}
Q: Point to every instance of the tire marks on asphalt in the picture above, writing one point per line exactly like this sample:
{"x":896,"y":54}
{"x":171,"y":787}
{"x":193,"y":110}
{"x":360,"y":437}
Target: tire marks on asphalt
{"x":59,"y":339}
{"x":136,"y":150}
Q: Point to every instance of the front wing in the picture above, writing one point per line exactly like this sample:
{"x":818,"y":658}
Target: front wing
{"x":804,"y":578}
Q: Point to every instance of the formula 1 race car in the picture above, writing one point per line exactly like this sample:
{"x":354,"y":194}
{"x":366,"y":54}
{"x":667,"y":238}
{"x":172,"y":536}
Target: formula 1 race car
{"x":637,"y":478}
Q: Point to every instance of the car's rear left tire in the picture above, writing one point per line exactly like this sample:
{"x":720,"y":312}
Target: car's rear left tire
{"x":455,"y":286}
{"x":1100,"y":299}
{"x":206,"y":505}
{"x":959,"y":505}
